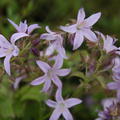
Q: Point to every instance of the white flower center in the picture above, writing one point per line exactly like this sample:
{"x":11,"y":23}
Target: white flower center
{"x":50,"y":73}
{"x":61,"y":106}
{"x":12,"y":50}
{"x":8,"y":50}
{"x":81,"y":25}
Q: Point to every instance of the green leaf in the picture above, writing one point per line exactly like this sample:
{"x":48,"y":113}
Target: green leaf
{"x":31,"y":93}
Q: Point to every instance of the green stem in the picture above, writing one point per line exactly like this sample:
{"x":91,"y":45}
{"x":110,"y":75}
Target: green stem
{"x":22,"y":51}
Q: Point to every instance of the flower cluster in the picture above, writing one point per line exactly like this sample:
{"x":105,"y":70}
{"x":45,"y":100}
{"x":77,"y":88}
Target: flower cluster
{"x":80,"y":31}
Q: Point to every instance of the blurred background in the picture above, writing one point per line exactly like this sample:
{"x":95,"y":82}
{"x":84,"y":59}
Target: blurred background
{"x":26,"y":104}
{"x":58,"y":12}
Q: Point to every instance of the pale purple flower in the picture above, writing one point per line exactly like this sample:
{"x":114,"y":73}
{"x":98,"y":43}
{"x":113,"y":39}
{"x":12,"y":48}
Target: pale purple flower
{"x":51,"y":74}
{"x":107,"y":104}
{"x":8,"y":49}
{"x":108,"y":43}
{"x":82,"y":28}
{"x":23,"y":27}
{"x":55,"y":43}
{"x":62,"y":106}
{"x":104,"y":115}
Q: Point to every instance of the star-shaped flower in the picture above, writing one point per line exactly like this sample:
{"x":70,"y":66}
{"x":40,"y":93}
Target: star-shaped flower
{"x":109,"y":106}
{"x":51,"y":74}
{"x":62,"y":106}
{"x":82,"y":28}
{"x":108,"y":43}
{"x":23,"y":27}
{"x":8,"y":49}
{"x":56,"y":43}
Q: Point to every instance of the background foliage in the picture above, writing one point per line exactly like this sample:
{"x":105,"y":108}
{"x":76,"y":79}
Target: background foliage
{"x":26,"y":103}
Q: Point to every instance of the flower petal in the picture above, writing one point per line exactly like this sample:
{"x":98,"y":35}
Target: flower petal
{"x":17,"y":36}
{"x":4,"y":42}
{"x":63,"y":72}
{"x":92,"y":19}
{"x":67,"y":115}
{"x":72,"y":102}
{"x":56,"y":114}
{"x":15,"y":25}
{"x":61,"y":51}
{"x":2,"y":53}
{"x":100,"y":34}
{"x":49,"y":51}
{"x":70,"y":29}
{"x":46,"y":85}
{"x":38,"y":81}
{"x":113,"y":86}
{"x":89,"y":35}
{"x":4,"y":46}
{"x":48,"y":30}
{"x":57,"y":81}
{"x":109,"y":44}
{"x":116,"y":62}
{"x":7,"y":63}
{"x":58,"y":95}
{"x":106,"y":103}
{"x":118,"y":95}
{"x":47,"y":36}
{"x":58,"y":62}
{"x":23,"y":27}
{"x":51,"y":103}
{"x":43,"y":66}
{"x":78,"y":40}
{"x":98,"y":119}
{"x":32,"y":27}
{"x":81,"y":16}
{"x":17,"y":81}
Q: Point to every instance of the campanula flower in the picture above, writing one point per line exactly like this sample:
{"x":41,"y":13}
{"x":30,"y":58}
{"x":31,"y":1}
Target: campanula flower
{"x":82,"y":28}
{"x":23,"y":27}
{"x":108,"y":44}
{"x":109,"y":106}
{"x":62,"y":106}
{"x":55,"y":43}
{"x":9,"y":49}
{"x":51,"y":74}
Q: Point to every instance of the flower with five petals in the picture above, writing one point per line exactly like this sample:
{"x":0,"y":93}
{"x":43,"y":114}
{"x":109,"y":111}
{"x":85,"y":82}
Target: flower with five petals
{"x":9,"y":49}
{"x":82,"y":28}
{"x":55,"y":42}
{"x":51,"y":74}
{"x":23,"y":27}
{"x":62,"y":106}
